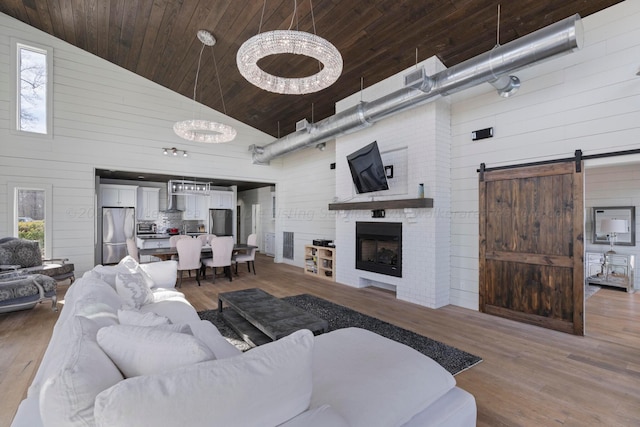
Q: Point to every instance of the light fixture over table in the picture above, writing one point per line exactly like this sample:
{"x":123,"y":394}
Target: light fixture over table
{"x":293,"y":42}
{"x":205,"y":130}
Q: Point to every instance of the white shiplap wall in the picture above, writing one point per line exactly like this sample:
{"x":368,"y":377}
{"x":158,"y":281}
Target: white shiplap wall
{"x":417,"y":143}
{"x":109,"y":118}
{"x":302,"y":199}
{"x":588,"y":100}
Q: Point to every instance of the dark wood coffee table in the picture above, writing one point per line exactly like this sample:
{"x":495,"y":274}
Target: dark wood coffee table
{"x":259,"y":317}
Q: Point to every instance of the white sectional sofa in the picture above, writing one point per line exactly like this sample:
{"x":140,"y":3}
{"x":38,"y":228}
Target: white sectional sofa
{"x":128,"y":350}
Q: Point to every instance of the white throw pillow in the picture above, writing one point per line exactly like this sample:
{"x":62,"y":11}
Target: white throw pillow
{"x":138,"y":350}
{"x":107,"y":273}
{"x":133,"y":317}
{"x":163,"y":273}
{"x":67,"y":397}
{"x":133,"y":290}
{"x":132,"y":266}
{"x":262,"y":387}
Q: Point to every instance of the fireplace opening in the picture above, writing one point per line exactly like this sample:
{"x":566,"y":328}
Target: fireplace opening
{"x":379,"y":247}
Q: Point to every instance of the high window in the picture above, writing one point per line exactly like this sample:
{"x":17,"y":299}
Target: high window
{"x":33,"y":85}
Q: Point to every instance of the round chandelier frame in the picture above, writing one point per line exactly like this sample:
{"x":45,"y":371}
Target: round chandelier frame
{"x":205,"y":130}
{"x":294,"y":42}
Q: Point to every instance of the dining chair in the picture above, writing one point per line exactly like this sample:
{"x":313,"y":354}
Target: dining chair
{"x":206,"y":238}
{"x":133,"y":251}
{"x":248,"y":257}
{"x":189,"y":257}
{"x":173,"y":240}
{"x":222,"y":250}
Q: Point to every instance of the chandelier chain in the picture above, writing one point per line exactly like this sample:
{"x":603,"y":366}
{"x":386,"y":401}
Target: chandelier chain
{"x":264,"y":6}
{"x":215,"y":64}
{"x":195,"y":85}
{"x":295,"y":13}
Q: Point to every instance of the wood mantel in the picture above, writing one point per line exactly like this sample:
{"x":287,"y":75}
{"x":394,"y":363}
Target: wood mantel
{"x":383,"y":204}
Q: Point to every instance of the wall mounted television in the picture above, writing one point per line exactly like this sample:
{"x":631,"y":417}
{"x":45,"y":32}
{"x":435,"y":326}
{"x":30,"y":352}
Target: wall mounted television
{"x":367,"y":170}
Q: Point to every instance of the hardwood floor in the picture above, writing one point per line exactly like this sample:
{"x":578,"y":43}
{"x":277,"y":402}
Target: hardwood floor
{"x":529,"y":377}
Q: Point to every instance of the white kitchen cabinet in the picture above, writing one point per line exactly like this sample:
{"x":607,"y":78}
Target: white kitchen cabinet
{"x":148,"y":203}
{"x":221,"y":200}
{"x":112,"y":195}
{"x":270,"y":244}
{"x":153,"y":243}
{"x":195,"y":207}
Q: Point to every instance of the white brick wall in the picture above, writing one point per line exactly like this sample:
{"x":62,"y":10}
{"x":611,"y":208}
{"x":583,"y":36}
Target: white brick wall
{"x":417,"y":142}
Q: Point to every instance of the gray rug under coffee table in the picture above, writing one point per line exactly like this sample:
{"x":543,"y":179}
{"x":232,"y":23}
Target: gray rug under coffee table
{"x":452,"y":359}
{"x":259,"y":317}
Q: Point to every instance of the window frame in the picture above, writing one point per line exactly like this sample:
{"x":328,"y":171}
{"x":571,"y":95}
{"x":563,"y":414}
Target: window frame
{"x":16,"y":45}
{"x":12,"y":204}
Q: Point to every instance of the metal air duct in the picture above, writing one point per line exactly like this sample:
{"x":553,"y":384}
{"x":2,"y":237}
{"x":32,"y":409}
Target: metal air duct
{"x":493,"y":67}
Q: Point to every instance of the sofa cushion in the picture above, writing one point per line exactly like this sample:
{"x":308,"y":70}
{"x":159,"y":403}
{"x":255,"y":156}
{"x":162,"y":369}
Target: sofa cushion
{"x":68,"y":394}
{"x":323,"y":416}
{"x":22,"y":252}
{"x":385,"y":386}
{"x":133,"y":289}
{"x":177,"y":309}
{"x":136,"y":318}
{"x":163,"y":274}
{"x":273,"y":381}
{"x":138,"y":350}
{"x":209,"y":334}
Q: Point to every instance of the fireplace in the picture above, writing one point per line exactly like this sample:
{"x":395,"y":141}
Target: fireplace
{"x":379,"y":247}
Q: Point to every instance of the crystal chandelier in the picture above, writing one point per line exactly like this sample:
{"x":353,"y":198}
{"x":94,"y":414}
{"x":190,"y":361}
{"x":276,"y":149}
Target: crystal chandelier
{"x":205,"y":130}
{"x":293,"y":42}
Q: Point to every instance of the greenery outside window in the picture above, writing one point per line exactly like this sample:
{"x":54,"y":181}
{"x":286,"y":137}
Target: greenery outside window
{"x":32,"y":213}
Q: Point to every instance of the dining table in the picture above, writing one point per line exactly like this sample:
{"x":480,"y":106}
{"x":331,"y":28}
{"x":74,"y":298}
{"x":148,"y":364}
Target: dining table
{"x":166,"y":253}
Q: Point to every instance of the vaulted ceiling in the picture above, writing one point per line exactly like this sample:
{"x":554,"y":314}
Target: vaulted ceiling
{"x":157,"y":40}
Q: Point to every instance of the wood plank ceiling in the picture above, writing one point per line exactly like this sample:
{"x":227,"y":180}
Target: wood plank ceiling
{"x":157,"y":40}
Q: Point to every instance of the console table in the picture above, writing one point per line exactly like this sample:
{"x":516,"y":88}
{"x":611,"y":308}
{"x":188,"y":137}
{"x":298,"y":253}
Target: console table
{"x":610,"y":270}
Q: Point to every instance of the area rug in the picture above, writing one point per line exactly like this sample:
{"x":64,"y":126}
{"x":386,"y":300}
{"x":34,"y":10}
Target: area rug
{"x":451,"y":358}
{"x":590,"y":290}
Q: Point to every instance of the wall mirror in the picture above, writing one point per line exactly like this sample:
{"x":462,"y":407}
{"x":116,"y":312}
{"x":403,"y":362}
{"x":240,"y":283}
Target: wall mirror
{"x":626,"y":213}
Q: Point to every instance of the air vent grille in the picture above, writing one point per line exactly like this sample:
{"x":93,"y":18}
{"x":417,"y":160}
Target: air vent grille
{"x":287,"y":244}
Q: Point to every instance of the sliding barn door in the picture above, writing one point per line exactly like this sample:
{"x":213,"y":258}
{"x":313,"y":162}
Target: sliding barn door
{"x":531,"y":245}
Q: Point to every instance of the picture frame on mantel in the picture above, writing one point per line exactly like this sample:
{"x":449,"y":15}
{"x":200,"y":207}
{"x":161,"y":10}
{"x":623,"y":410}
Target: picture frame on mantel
{"x":627,"y":213}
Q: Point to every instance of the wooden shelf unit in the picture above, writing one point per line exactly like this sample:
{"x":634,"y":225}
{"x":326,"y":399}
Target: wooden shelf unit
{"x":320,"y":261}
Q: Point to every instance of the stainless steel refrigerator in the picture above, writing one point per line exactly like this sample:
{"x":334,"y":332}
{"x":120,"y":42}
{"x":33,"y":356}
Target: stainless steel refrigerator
{"x":221,"y":222}
{"x":118,"y":225}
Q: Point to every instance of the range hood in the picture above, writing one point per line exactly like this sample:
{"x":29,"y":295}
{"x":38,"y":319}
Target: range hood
{"x":172,"y":200}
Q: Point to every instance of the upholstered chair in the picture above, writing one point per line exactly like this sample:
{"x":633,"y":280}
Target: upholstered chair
{"x":206,"y":238}
{"x":189,"y":257}
{"x":132,"y":250}
{"x":250,"y":256}
{"x":173,"y":240}
{"x":222,"y":250}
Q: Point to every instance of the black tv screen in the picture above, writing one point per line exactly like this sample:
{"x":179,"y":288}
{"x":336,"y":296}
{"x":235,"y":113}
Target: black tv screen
{"x":367,"y":169}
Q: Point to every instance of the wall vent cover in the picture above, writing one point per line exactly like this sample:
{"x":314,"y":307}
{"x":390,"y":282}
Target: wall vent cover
{"x":287,"y":244}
